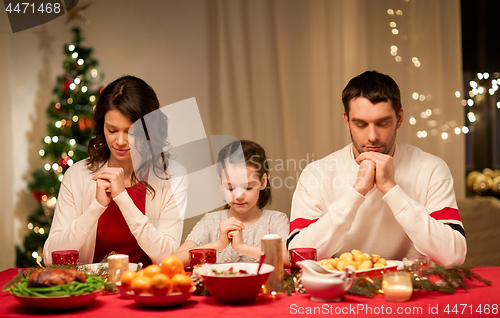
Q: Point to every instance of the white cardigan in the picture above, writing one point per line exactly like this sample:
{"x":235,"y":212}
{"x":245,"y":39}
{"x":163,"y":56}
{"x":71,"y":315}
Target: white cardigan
{"x":158,"y":231}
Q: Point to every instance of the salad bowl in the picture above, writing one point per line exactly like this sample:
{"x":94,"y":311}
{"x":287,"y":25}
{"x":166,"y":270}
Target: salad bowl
{"x":234,"y":283}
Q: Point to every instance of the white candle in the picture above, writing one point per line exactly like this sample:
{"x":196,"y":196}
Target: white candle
{"x":117,"y":264}
{"x":271,"y":244}
{"x":397,"y":286}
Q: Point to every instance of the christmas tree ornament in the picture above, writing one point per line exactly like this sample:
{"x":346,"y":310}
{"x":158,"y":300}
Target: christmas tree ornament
{"x":482,"y":184}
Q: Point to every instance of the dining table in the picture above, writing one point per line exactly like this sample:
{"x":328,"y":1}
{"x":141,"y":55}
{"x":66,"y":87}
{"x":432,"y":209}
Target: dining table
{"x":479,"y":300}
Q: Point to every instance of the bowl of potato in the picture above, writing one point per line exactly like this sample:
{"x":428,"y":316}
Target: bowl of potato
{"x":363,"y":263}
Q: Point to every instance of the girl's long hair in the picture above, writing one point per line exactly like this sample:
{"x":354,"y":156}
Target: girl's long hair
{"x":255,"y":156}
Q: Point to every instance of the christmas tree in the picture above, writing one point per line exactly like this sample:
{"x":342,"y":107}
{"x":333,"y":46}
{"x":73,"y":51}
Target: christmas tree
{"x":69,"y":129}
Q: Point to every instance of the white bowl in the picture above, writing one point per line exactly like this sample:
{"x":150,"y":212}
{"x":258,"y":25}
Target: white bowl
{"x":93,"y":269}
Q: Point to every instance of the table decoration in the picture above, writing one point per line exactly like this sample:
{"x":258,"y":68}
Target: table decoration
{"x":117,"y":265}
{"x":445,"y":280}
{"x":397,"y":286}
{"x":271,"y":245}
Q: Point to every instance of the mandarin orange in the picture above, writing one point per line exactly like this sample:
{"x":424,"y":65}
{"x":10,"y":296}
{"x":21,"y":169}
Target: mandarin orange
{"x":152,"y":270}
{"x":141,"y":284}
{"x":160,"y":284}
{"x":127,"y":278}
{"x":171,"y":265}
{"x":181,"y":283}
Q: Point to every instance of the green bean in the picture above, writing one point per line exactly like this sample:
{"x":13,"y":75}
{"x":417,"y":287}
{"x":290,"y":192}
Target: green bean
{"x":74,"y":288}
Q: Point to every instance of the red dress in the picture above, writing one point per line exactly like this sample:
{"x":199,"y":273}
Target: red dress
{"x":113,"y":233}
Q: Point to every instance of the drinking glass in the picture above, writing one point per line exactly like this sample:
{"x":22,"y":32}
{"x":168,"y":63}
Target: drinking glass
{"x":300,"y":254}
{"x":65,"y":257}
{"x":201,"y":256}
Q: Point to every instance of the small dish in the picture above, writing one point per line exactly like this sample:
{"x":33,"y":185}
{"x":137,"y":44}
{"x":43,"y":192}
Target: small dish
{"x":150,"y":300}
{"x":94,"y":268}
{"x":122,"y":290}
{"x":379,"y":271}
{"x":325,"y":285}
{"x":57,"y":303}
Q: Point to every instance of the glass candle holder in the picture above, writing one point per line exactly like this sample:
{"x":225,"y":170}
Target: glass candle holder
{"x":417,"y":266}
{"x":65,"y":257}
{"x":117,"y":265}
{"x":299,"y":254}
{"x":397,"y":286}
{"x":201,"y":256}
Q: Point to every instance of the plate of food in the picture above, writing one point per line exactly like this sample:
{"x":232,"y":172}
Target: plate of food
{"x":57,"y":302}
{"x":363,"y":263}
{"x":57,"y":289}
{"x":157,"y":286}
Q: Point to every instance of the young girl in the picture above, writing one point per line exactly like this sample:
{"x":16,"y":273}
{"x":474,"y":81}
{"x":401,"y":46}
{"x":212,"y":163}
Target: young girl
{"x":236,"y":231}
{"x":103,"y":206}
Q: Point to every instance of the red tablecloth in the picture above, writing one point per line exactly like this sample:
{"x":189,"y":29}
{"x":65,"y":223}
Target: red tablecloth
{"x":480,"y":301}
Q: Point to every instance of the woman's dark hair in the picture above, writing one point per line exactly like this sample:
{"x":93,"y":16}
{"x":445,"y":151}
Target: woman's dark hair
{"x":134,"y":98}
{"x":255,"y":156}
{"x":374,"y":86}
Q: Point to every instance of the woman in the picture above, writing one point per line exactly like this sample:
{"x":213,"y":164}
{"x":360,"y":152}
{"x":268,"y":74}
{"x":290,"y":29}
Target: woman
{"x":106,"y":205}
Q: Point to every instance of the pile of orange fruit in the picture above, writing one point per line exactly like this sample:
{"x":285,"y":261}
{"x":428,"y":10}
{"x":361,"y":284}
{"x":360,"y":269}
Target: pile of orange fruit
{"x":168,"y":277}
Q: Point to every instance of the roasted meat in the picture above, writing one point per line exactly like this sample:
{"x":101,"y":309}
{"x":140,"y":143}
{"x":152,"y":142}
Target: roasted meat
{"x":55,"y":276}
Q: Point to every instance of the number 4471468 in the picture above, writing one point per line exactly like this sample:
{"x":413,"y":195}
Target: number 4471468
{"x":471,"y":309}
{"x":30,"y":7}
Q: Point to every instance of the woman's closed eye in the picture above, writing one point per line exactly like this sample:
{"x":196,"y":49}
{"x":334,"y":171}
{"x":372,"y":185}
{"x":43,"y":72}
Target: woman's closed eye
{"x":246,"y":188}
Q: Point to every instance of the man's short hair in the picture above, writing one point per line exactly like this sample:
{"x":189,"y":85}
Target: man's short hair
{"x":374,"y":86}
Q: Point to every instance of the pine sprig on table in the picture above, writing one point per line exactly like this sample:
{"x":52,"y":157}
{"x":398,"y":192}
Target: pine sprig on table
{"x":288,"y":285}
{"x":450,"y":279}
{"x":364,"y":286}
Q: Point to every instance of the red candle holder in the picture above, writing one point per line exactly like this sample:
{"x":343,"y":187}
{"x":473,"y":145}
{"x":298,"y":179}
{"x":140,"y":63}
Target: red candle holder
{"x":300,"y":254}
{"x":201,"y":256}
{"x":65,"y":257}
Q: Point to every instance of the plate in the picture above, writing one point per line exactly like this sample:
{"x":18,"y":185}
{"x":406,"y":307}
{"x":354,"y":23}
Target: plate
{"x":57,"y":303}
{"x":151,"y":300}
{"x":93,"y":269}
{"x":379,"y":271}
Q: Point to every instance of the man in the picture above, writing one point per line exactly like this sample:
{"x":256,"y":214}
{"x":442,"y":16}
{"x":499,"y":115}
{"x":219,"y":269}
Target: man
{"x":377,"y":195}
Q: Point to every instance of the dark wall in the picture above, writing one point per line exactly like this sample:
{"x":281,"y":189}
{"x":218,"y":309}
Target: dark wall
{"x":481,"y":35}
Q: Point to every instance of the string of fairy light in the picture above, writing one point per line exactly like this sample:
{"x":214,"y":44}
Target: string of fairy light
{"x":477,"y":91}
{"x":428,"y":115}
{"x":49,"y":202}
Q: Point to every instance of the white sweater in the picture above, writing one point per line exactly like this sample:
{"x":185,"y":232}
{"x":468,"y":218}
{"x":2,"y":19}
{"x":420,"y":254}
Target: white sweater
{"x":158,"y":231}
{"x":418,"y":216}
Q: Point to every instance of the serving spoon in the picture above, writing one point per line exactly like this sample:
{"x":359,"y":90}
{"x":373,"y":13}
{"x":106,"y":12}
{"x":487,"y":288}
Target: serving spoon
{"x":261,"y":261}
